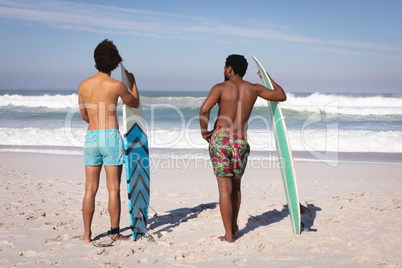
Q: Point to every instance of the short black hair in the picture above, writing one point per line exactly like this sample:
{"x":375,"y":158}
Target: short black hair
{"x":106,"y":56}
{"x":238,"y":63}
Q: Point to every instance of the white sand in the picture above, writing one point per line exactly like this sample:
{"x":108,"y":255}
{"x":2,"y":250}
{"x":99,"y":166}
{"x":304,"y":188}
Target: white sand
{"x":356,"y":217}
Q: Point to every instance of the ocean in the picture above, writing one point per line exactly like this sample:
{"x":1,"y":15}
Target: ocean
{"x":321,"y":126}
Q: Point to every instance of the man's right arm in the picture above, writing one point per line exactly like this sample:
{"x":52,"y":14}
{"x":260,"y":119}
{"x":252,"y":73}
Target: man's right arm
{"x":131,"y":99}
{"x":210,"y":101}
{"x":81,"y":103}
{"x":277,"y":94}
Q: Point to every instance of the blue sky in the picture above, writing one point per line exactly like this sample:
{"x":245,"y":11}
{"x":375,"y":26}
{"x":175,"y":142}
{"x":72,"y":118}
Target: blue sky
{"x":306,"y":46}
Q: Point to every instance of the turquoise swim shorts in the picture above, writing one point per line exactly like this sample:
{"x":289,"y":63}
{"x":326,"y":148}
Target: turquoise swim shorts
{"x":103,"y":146}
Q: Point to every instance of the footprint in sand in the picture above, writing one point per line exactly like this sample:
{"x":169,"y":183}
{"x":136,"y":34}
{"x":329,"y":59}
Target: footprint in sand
{"x":65,"y":237}
{"x":239,"y":261}
{"x":31,"y":253}
{"x":4,"y":244}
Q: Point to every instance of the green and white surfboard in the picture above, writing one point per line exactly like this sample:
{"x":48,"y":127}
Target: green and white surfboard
{"x":284,"y":154}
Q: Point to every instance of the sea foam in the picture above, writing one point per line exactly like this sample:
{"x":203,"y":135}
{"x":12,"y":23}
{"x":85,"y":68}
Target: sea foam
{"x":338,"y":104}
{"x":308,"y":140}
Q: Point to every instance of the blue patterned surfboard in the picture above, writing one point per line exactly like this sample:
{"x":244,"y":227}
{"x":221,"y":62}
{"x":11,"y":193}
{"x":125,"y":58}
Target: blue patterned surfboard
{"x":137,"y":164}
{"x":284,"y":154}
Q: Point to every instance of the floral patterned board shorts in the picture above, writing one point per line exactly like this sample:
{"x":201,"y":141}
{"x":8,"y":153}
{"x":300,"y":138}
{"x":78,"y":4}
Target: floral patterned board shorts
{"x":228,"y":154}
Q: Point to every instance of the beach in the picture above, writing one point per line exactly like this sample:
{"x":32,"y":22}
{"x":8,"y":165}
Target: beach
{"x":332,"y":144}
{"x":348,"y":162}
{"x":356,"y":216}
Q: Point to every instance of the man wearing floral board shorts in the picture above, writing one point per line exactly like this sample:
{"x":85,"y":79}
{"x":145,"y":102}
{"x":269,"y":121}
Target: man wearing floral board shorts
{"x":228,"y":140}
{"x":228,"y":154}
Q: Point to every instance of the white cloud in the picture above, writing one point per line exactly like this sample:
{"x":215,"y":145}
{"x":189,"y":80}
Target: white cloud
{"x":110,"y":19}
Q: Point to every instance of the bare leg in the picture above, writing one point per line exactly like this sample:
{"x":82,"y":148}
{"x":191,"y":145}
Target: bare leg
{"x":236,"y":200}
{"x":113,"y":179}
{"x":88,"y":205}
{"x":225,"y":204}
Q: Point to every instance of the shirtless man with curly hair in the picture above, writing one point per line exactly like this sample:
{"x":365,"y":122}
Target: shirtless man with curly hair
{"x":98,"y":97}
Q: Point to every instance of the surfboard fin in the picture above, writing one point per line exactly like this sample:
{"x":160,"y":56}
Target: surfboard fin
{"x":305,"y":210}
{"x":146,"y":234}
{"x":142,"y":230}
{"x":304,"y":228}
{"x":155,"y":216}
{"x":139,"y":215}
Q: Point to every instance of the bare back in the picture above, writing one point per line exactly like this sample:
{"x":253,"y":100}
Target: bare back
{"x":236,"y":103}
{"x":98,"y":97}
{"x":236,"y":98}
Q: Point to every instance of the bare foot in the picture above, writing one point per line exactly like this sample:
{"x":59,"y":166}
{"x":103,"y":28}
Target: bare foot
{"x":235,"y":230}
{"x":86,"y":238}
{"x":223,"y":238}
{"x":118,"y":237}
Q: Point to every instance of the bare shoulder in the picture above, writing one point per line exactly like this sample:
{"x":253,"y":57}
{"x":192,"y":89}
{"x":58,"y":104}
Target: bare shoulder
{"x":257,"y":87}
{"x":119,"y":86}
{"x":110,"y":84}
{"x":220,"y":85}
{"x":227,"y":85}
{"x":115,"y":82}
{"x":250,"y":87}
{"x":84,"y":85}
{"x":86,"y":81}
{"x":218,"y":88}
{"x":247,"y":84}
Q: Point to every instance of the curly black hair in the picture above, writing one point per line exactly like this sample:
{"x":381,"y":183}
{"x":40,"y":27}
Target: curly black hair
{"x":106,"y":56}
{"x":238,"y":63}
